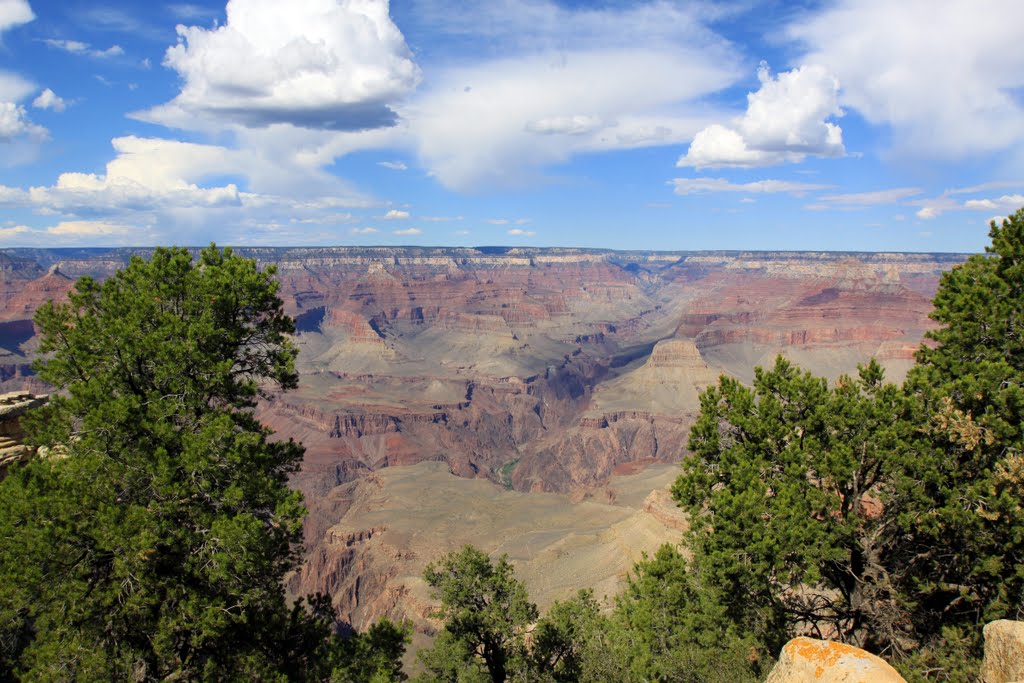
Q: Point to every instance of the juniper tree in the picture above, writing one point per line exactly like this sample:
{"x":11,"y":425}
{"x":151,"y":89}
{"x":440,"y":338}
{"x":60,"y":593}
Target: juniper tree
{"x":486,"y":611}
{"x":152,"y":540}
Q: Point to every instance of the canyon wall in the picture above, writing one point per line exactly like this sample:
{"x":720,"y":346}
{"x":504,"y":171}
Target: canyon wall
{"x":528,"y":372}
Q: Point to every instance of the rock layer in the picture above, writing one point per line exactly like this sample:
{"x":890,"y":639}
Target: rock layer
{"x":540,"y":370}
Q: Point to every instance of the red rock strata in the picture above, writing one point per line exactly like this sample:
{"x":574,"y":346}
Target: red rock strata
{"x":537,"y":369}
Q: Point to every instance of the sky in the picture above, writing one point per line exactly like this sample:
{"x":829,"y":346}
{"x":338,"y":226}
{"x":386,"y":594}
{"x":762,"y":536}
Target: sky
{"x":845,"y":125}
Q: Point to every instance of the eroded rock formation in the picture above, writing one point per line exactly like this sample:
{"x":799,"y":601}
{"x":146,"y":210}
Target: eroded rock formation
{"x":545,"y":371}
{"x":12,"y":407}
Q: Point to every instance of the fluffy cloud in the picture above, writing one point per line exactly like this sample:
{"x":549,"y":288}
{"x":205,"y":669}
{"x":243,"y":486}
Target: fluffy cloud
{"x":948,"y":201}
{"x":945,"y":76}
{"x":14,"y":123}
{"x":147,"y":174}
{"x":14,"y":232}
{"x":688,"y":186}
{"x":395,"y":214}
{"x":519,"y":232}
{"x":363,"y":231}
{"x":785,"y":121}
{"x":49,"y":100}
{"x":14,"y":13}
{"x":172,"y":191}
{"x":321,"y":64}
{"x":393,"y":165}
{"x":408,"y":231}
{"x":12,"y":196}
{"x":1007,"y":202}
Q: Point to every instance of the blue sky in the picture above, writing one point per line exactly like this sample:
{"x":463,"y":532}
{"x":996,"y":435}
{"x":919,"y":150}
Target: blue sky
{"x":845,"y":125}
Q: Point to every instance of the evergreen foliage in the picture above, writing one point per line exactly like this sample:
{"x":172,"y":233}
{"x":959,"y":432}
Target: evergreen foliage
{"x":486,"y":613}
{"x":656,"y":632}
{"x":151,"y":539}
{"x":789,"y":487}
{"x":888,"y":517}
{"x":664,"y":629}
{"x":966,"y":525}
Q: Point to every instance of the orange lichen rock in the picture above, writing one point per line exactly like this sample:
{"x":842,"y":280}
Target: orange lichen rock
{"x":806,"y":660}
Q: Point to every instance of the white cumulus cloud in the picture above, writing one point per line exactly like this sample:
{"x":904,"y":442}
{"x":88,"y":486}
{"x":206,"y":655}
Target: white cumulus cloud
{"x":14,"y":120}
{"x":1007,"y":202}
{"x":146,"y":174}
{"x":395,"y":214}
{"x":321,"y":64}
{"x":14,"y":231}
{"x":363,"y":231}
{"x":14,"y":123}
{"x":945,"y":76}
{"x":408,"y":231}
{"x":14,"y":13}
{"x":173,"y":191}
{"x":50,"y":100}
{"x":393,"y":165}
{"x":785,"y":121}
{"x":519,"y":232}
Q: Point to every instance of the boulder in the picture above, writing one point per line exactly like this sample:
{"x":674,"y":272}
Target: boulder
{"x":806,"y":660}
{"x":1004,"y":652}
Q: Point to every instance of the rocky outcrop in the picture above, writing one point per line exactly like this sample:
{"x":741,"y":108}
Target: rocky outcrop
{"x":806,"y":660}
{"x":12,"y":407}
{"x":1004,"y":652}
{"x":660,"y":505}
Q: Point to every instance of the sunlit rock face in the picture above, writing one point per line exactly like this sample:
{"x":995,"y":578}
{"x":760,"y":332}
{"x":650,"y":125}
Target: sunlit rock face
{"x":543,"y":371}
{"x":13,"y":406}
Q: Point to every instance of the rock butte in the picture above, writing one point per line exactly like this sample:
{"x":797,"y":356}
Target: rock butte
{"x":564,"y":373}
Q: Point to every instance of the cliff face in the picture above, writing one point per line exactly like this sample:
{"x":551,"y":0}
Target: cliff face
{"x":540,"y":370}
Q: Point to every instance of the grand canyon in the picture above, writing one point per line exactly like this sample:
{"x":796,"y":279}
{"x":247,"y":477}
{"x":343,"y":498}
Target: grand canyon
{"x":534,"y":402}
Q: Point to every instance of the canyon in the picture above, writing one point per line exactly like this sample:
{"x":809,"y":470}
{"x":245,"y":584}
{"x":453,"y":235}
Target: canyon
{"x":533,"y":402}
